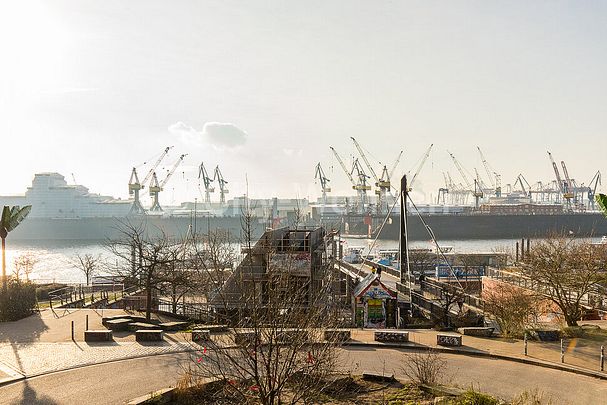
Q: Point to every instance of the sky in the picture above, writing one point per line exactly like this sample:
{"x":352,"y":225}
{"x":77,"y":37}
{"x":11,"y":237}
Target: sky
{"x":264,"y":88}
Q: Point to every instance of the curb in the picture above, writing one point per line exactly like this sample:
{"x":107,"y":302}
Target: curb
{"x":468,"y":352}
{"x":13,"y":375}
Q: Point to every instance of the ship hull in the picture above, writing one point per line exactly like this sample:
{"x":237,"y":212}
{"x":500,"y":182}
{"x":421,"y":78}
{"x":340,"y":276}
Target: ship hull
{"x":98,"y":229}
{"x":460,"y":227}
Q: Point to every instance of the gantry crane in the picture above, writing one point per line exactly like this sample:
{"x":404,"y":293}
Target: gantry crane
{"x":324,"y":182}
{"x":222,"y":185}
{"x":568,"y":185}
{"x":361,"y":187}
{"x":382,"y":183}
{"x":207,"y":181}
{"x":135,"y":185}
{"x":156,"y":188}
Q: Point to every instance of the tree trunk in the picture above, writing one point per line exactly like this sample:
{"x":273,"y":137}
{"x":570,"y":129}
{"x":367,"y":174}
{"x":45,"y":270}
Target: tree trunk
{"x":4,"y":263}
{"x":148,"y":293}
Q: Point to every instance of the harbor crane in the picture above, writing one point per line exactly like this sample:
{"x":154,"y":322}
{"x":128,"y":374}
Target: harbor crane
{"x":496,"y":184}
{"x":207,"y":181}
{"x":560,"y":183}
{"x":476,"y":191}
{"x":592,"y":186}
{"x":419,"y":167}
{"x":324,"y":182}
{"x":156,"y":188}
{"x":520,"y":179}
{"x":222,"y":185}
{"x":568,"y":185}
{"x":135,"y":185}
{"x":382,"y":183}
{"x":396,"y":162}
{"x":361,"y":187}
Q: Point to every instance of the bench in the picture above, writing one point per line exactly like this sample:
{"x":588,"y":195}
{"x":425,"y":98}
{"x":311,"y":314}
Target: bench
{"x":337,"y":335}
{"x":448,"y":340}
{"x":391,"y":336}
{"x":477,"y":331}
{"x":135,"y":326}
{"x":215,"y":328}
{"x":373,"y":376}
{"x":290,"y":335}
{"x":118,"y":325}
{"x":173,"y":326}
{"x":103,"y":335}
{"x":148,"y":335}
{"x":201,"y":335}
{"x":244,"y":338}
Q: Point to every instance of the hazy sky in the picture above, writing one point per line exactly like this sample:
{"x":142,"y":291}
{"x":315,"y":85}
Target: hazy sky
{"x":96,"y":87}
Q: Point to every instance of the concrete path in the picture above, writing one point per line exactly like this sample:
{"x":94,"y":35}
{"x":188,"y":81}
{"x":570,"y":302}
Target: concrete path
{"x":118,"y":382}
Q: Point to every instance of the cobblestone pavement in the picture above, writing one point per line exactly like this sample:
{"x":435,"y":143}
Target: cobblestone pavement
{"x":40,"y":358}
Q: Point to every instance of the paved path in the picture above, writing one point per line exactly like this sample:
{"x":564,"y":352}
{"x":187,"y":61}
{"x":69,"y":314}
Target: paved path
{"x":118,"y":382}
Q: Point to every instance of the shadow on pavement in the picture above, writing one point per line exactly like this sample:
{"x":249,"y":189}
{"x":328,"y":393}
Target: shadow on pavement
{"x":30,"y":396}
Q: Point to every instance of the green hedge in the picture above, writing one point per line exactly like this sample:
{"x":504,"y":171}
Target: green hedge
{"x":18,"y":301}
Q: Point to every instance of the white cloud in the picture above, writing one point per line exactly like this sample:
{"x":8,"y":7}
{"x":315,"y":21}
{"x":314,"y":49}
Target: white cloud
{"x":224,"y":135}
{"x":218,"y":134}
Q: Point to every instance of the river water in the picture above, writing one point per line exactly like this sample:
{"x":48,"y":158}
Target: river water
{"x":55,"y":257}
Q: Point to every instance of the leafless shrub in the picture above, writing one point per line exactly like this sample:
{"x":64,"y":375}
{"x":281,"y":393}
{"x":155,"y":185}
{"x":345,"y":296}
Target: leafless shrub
{"x":533,"y":397}
{"x":513,"y":308}
{"x":426,"y":367}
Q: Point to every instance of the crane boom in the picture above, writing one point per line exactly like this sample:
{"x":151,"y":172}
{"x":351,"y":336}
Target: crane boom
{"x":153,"y":168}
{"x":362,"y":154}
{"x":490,"y":172}
{"x":461,"y":171}
{"x":343,"y":166}
{"x":395,"y":164}
{"x":567,"y":178}
{"x":324,"y":181}
{"x":421,"y":164}
{"x":177,"y":163}
{"x":556,"y":173}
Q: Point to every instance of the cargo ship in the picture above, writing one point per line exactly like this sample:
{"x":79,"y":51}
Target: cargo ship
{"x":490,"y":221}
{"x":62,"y":211}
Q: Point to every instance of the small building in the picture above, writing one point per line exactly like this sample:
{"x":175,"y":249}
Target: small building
{"x":374,"y":304}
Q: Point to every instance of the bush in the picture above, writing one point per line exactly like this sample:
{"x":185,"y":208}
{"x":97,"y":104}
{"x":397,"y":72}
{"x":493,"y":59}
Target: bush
{"x":18,"y":301}
{"x":43,"y":290}
{"x":472,"y":397}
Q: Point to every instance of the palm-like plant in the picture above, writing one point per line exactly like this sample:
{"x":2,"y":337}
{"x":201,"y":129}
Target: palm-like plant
{"x":11,"y":218}
{"x":601,"y":199}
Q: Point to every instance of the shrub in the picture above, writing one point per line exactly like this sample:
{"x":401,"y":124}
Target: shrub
{"x":18,"y":301}
{"x":471,"y":397}
{"x":425,"y":367}
{"x":43,"y":290}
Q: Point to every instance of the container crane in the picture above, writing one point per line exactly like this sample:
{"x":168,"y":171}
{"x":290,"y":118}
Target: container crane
{"x":222,"y":185}
{"x":156,"y":188}
{"x":361,"y":187}
{"x":324,"y":182}
{"x":207,"y":181}
{"x":135,"y":185}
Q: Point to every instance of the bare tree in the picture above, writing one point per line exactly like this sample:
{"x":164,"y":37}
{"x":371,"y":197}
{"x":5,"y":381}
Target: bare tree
{"x":512,"y":307}
{"x":88,"y":264}
{"x":145,"y":258}
{"x":566,"y":271}
{"x":24,"y":263}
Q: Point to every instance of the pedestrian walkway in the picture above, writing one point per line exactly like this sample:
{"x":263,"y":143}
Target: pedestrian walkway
{"x":579,"y":353}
